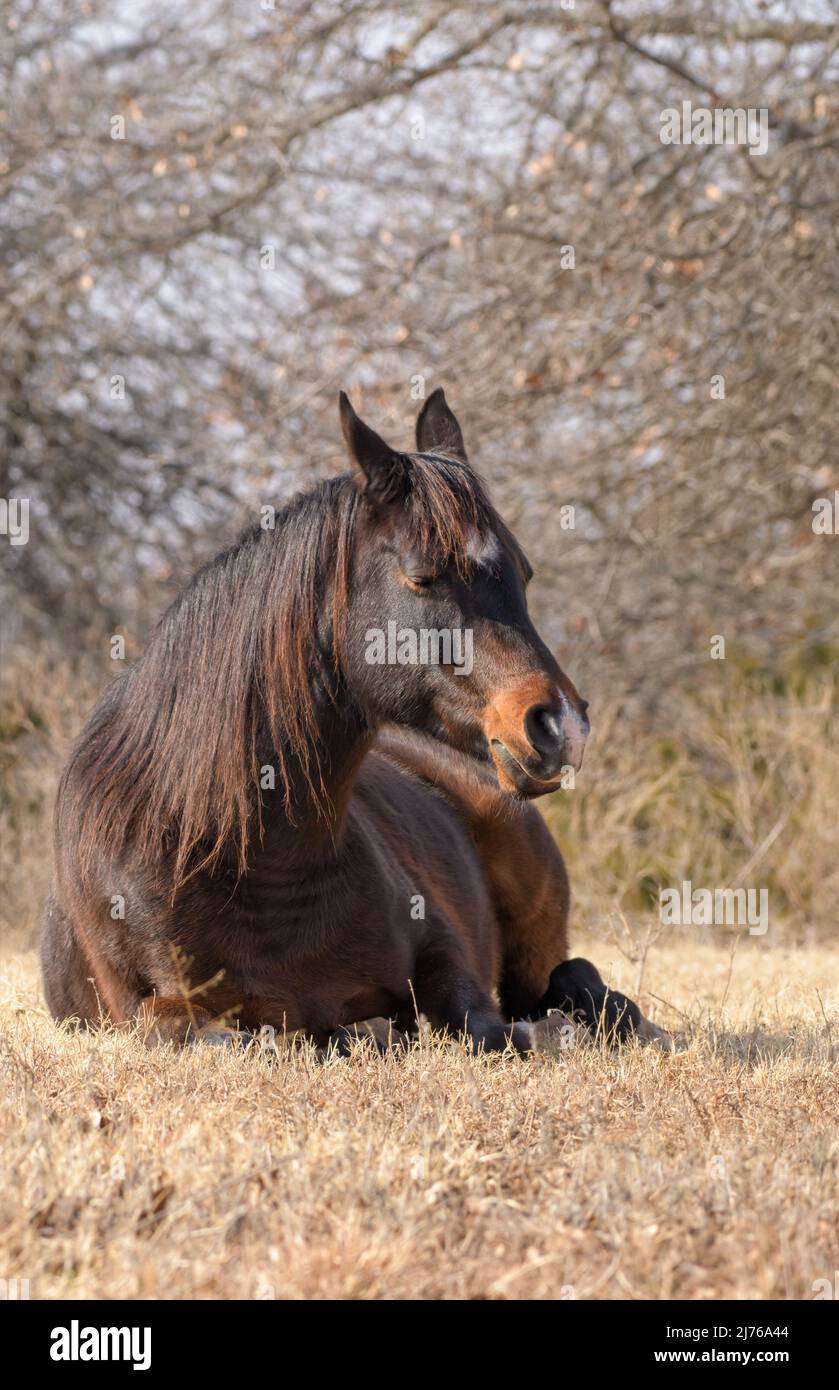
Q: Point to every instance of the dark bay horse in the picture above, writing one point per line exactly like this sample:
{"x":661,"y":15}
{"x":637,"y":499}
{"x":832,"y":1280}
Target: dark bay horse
{"x":261,"y":823}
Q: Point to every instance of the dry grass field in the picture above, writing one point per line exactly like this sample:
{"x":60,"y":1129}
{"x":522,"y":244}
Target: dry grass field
{"x":709,"y":1172}
{"x":706,"y":1173}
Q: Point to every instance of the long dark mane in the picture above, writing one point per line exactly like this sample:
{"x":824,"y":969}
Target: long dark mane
{"x":172,"y":754}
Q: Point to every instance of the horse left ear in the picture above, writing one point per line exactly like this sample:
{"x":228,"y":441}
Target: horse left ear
{"x":379,"y":470}
{"x":437,"y":428}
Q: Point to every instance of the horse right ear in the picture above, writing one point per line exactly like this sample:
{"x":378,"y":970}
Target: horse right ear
{"x":437,"y":428}
{"x":380,"y":472}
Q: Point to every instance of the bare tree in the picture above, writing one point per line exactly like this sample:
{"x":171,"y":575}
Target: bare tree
{"x":215,"y":217}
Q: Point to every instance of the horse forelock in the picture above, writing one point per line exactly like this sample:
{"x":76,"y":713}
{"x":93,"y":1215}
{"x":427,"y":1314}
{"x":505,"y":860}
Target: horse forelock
{"x":448,"y":510}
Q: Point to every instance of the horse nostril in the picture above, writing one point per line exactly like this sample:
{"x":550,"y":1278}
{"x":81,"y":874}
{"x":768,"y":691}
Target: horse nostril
{"x":542,"y":726}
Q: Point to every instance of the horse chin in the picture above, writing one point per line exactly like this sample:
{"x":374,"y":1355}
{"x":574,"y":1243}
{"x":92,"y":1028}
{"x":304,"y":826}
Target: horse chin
{"x":515,"y":780}
{"x":511,"y":777}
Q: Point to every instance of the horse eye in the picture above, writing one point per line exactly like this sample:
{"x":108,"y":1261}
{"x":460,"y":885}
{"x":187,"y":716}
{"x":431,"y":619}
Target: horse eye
{"x":421,"y":581}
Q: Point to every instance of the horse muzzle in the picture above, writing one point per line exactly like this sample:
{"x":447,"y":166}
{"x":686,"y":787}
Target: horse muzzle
{"x":539,"y":744}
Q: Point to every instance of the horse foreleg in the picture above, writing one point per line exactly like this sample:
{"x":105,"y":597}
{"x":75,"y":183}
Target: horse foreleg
{"x":577,"y":987}
{"x":450,"y":997}
{"x":529,"y":886}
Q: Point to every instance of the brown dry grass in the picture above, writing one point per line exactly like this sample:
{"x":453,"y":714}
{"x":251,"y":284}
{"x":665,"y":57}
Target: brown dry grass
{"x":712,"y":1172}
{"x":708,"y":1173}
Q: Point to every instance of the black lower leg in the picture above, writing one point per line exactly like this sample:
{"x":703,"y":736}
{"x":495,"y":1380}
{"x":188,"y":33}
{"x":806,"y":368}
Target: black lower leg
{"x":577,"y":988}
{"x":453,"y":999}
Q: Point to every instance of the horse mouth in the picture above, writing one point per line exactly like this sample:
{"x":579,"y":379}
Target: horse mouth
{"x":515,"y":779}
{"x":512,"y":777}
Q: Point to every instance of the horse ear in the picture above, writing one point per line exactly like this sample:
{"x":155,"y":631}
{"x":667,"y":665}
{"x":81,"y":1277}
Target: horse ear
{"x":437,"y":428}
{"x":379,"y":470}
